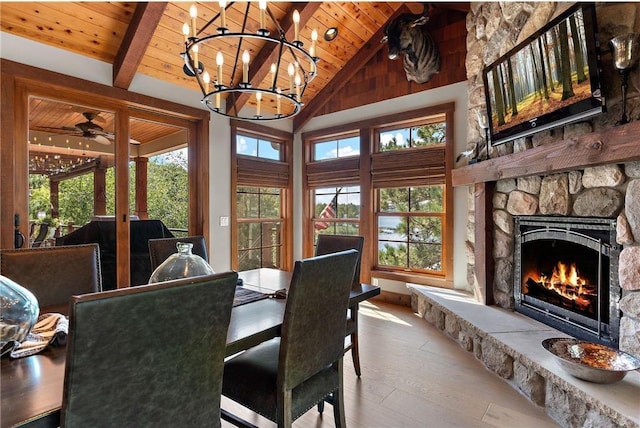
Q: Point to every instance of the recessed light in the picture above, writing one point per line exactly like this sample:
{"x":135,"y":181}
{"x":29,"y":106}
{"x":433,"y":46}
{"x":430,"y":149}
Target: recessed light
{"x":331,"y":34}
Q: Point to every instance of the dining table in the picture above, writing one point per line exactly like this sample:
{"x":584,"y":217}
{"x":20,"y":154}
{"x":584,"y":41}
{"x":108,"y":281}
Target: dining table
{"x":31,"y":387}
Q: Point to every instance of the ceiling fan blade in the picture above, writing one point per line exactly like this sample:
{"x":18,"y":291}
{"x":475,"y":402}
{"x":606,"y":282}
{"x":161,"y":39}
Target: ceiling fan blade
{"x":134,"y":142}
{"x":67,"y":129}
{"x":101,"y":140}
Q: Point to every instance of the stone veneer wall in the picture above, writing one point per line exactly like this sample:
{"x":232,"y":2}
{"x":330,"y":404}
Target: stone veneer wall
{"x":604,"y":191}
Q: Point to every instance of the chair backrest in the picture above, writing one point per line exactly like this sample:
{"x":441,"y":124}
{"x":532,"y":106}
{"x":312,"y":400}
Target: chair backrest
{"x":42,"y":234}
{"x":54,"y":274}
{"x":161,"y":249}
{"x":103,"y":233}
{"x":148,"y":356}
{"x":315,"y":316}
{"x":328,"y":244}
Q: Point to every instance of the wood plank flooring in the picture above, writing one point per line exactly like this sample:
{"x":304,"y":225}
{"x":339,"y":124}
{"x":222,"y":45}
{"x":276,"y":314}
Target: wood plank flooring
{"x":415,"y":376}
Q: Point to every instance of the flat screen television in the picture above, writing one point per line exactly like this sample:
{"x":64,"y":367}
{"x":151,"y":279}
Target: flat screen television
{"x":548,"y":80}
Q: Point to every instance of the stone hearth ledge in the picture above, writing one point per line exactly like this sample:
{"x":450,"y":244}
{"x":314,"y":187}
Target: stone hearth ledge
{"x":510,"y":344}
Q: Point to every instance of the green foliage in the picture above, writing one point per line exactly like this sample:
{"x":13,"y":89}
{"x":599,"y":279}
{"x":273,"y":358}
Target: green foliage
{"x":167,"y":193}
{"x":410,"y":227}
{"x":430,"y":135}
{"x":421,"y":136}
{"x":76,"y":199}
{"x":259,"y":241}
{"x":39,"y":196}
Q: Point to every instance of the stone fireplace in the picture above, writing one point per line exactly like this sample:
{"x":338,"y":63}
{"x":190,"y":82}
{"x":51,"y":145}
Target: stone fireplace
{"x":593,"y":188}
{"x":604,"y":195}
{"x":566,"y":275}
{"x":587,"y":170}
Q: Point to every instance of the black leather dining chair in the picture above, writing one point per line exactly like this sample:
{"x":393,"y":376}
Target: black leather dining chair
{"x":283,"y":378}
{"x":54,"y":274}
{"x":328,"y":244}
{"x":160,"y":249}
{"x":148,"y":356}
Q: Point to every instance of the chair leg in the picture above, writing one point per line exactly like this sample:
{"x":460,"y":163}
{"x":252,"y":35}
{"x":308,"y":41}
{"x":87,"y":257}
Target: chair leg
{"x":321,"y":406}
{"x":355,"y":354}
{"x":338,"y":401}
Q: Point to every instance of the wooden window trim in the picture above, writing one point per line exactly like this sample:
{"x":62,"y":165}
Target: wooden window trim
{"x":258,"y":172}
{"x":368,"y":227}
{"x":21,"y":81}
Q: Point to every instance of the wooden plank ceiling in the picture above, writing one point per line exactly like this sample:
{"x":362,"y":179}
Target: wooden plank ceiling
{"x":147,"y":38}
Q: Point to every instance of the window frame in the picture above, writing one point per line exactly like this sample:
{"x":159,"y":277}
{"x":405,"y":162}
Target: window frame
{"x":251,"y":171}
{"x":414,"y":123}
{"x":336,"y":220}
{"x":341,"y":136}
{"x":385,"y":168}
{"x":442,"y":215}
{"x":261,"y":221}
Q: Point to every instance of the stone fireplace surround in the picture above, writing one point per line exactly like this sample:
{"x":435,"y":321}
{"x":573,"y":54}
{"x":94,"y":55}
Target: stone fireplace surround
{"x":604,"y":183}
{"x":595,"y":188}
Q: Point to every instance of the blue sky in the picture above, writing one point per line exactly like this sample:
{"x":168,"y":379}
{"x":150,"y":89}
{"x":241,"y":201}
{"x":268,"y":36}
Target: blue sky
{"x":337,"y":148}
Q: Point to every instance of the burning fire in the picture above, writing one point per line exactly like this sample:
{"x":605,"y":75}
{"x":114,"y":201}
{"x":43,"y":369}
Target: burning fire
{"x":563,"y":275}
{"x":564,"y":281}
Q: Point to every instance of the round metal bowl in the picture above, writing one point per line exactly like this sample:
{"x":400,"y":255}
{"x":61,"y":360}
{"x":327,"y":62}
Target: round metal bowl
{"x":591,"y":361}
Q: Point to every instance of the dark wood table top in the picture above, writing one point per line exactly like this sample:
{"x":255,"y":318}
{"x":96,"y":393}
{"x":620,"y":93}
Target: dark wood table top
{"x":268,"y":280}
{"x":31,"y":387}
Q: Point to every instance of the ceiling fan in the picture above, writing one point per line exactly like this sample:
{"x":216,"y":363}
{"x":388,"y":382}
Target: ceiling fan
{"x":91,"y":130}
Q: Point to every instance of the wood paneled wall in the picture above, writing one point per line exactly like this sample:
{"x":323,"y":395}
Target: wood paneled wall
{"x":383,"y":79}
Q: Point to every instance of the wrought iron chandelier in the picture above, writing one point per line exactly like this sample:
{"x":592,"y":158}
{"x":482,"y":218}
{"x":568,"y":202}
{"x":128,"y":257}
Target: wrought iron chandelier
{"x":279,"y":94}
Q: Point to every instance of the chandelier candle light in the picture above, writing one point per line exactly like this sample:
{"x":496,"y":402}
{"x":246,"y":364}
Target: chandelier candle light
{"x":278,"y":92}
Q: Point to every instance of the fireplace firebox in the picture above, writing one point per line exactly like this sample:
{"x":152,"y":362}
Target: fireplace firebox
{"x":566,"y":275}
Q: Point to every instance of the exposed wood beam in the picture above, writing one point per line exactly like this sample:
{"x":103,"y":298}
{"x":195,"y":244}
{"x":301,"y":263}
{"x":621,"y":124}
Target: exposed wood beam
{"x":483,"y":254}
{"x":134,"y":44}
{"x":261,"y":65}
{"x":368,"y":50}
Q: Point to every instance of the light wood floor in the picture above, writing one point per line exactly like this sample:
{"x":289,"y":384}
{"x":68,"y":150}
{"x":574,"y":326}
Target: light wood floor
{"x":415,"y":376}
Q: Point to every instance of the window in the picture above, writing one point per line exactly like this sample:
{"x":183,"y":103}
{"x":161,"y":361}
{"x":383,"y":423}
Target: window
{"x":395,"y":192}
{"x":408,"y":175}
{"x":259,"y":227}
{"x":262,"y":230}
{"x":336,"y":148}
{"x":337,"y":211}
{"x":257,"y":147}
{"x":332,"y":200}
{"x":410,"y":222}
{"x":411,"y":137}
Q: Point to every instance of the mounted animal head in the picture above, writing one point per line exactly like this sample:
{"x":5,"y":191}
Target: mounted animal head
{"x":405,"y":35}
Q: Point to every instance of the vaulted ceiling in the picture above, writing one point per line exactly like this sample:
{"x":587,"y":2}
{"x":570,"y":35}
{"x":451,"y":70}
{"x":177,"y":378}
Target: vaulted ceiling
{"x":147,"y":38}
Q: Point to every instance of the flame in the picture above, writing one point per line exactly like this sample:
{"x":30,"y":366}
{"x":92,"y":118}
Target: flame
{"x":565,"y":281}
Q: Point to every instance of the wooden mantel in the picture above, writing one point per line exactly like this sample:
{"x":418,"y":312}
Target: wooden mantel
{"x":613,"y":145}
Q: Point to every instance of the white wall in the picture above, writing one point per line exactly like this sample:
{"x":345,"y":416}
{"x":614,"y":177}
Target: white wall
{"x":61,"y":61}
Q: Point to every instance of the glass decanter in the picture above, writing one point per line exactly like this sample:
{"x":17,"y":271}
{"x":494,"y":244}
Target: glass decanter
{"x":182,"y":264}
{"x":18,"y":313}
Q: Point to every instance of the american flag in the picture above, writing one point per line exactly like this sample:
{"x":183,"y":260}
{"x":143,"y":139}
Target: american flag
{"x":328,"y":212}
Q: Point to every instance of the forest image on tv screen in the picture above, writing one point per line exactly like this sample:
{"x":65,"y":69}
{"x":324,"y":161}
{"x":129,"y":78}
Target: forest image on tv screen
{"x":546,"y":75}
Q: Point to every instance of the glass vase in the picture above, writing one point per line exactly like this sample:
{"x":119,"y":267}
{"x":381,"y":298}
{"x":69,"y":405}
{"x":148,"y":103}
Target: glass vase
{"x":182,"y":264}
{"x":18,"y":313}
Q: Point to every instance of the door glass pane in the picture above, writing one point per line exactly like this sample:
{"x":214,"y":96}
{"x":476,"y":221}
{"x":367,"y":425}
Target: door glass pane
{"x":163,"y":151}
{"x":71,"y":159}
